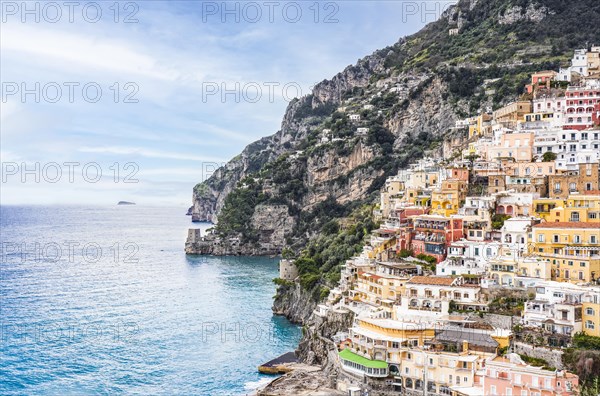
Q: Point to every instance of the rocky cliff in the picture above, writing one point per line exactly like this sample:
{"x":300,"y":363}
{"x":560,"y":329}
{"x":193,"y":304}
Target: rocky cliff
{"x":294,"y":302}
{"x":336,"y":145}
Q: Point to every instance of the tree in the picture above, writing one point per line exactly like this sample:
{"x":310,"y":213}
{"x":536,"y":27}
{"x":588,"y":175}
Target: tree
{"x":549,"y":156}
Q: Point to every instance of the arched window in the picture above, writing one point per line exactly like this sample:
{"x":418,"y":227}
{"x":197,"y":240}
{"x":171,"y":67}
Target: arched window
{"x":589,"y":311}
{"x":418,"y":384}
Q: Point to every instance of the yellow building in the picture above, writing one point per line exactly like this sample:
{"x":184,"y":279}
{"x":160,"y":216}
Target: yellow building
{"x":423,"y":179}
{"x":480,"y":126}
{"x":591,"y":312}
{"x":417,"y":197}
{"x":385,"y":339}
{"x":393,"y":188}
{"x":582,"y":208}
{"x":513,"y":112}
{"x":447,"y":200}
{"x":573,"y":248}
{"x":377,"y":288}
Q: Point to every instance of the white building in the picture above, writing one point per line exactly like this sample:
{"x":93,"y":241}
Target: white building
{"x":515,"y":235}
{"x":468,"y":258}
{"x":547,"y":141}
{"x":557,"y":308}
{"x":579,"y":65}
{"x":513,"y":203}
{"x":430,"y":296}
{"x":577,"y":147}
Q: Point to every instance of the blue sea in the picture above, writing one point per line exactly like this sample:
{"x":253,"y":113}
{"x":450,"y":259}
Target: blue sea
{"x":103,"y":301}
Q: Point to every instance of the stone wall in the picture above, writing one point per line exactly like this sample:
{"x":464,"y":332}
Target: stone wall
{"x":552,"y":356}
{"x":287,"y":270}
{"x":497,"y":321}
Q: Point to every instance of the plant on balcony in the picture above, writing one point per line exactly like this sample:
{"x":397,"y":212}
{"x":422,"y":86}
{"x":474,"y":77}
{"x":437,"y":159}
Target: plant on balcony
{"x":548,"y":156}
{"x":452,"y":306}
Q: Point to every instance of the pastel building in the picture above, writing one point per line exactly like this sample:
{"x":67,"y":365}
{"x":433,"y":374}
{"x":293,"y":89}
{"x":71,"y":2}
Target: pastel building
{"x":467,"y":258}
{"x":431,"y":296}
{"x":557,"y":308}
{"x":517,"y":145}
{"x":431,"y":234}
{"x":512,"y":377}
{"x":573,"y":248}
{"x":579,"y":106}
{"x":576,"y":207}
{"x":591,"y":312}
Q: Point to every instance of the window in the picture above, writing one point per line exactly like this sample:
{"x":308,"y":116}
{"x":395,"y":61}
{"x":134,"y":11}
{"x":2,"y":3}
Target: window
{"x":493,"y":390}
{"x":577,"y":238}
{"x":517,"y":379}
{"x":589,"y":325}
{"x":589,"y":311}
{"x":508,"y":391}
{"x":575,"y":216}
{"x":524,"y":392}
{"x":555,"y":238}
{"x":592,"y":238}
{"x":541,"y":238}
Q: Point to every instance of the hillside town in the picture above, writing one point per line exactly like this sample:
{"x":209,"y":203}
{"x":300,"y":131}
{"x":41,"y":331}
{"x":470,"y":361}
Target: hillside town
{"x":486,"y":262}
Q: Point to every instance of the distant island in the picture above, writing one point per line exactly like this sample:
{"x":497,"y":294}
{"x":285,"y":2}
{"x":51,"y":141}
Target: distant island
{"x":125,"y":203}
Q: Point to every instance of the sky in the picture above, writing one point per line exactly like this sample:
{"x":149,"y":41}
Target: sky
{"x":138,"y":101}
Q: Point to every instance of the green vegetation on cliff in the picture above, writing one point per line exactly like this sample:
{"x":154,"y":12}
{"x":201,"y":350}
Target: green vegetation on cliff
{"x":583,"y":359}
{"x":320,"y":262}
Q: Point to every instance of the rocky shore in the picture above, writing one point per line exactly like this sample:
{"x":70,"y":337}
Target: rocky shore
{"x":317,"y":370}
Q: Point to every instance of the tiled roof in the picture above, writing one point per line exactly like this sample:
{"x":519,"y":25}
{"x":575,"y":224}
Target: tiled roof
{"x":568,"y":224}
{"x":472,"y":337}
{"x":431,"y":280}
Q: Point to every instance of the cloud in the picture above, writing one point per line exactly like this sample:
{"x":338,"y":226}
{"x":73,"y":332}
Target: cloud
{"x":171,"y":132}
{"x":144,"y":152}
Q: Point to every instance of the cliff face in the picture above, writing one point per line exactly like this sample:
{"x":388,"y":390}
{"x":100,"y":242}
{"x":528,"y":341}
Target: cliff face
{"x":293,"y":302}
{"x":298,"y":305}
{"x":337,"y":145}
{"x":316,"y":343}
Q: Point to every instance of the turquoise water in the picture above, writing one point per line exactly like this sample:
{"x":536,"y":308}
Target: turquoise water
{"x":103,"y":300}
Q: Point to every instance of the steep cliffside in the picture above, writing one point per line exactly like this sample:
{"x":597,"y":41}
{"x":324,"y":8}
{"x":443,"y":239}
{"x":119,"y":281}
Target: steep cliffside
{"x":337,"y":145}
{"x":294,"y":302}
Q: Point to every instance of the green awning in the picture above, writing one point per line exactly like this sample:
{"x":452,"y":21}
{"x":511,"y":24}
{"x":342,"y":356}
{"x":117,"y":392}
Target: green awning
{"x":347,"y":354}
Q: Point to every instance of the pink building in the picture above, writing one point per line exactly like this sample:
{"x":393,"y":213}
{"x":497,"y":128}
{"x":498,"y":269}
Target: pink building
{"x":514,"y":145}
{"x":511,"y":377}
{"x":580,"y":103}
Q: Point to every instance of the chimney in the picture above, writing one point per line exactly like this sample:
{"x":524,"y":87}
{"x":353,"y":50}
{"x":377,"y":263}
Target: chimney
{"x":465,"y":346}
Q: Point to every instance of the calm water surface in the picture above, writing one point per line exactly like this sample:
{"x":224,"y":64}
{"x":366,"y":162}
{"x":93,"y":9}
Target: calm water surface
{"x":103,"y":300}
